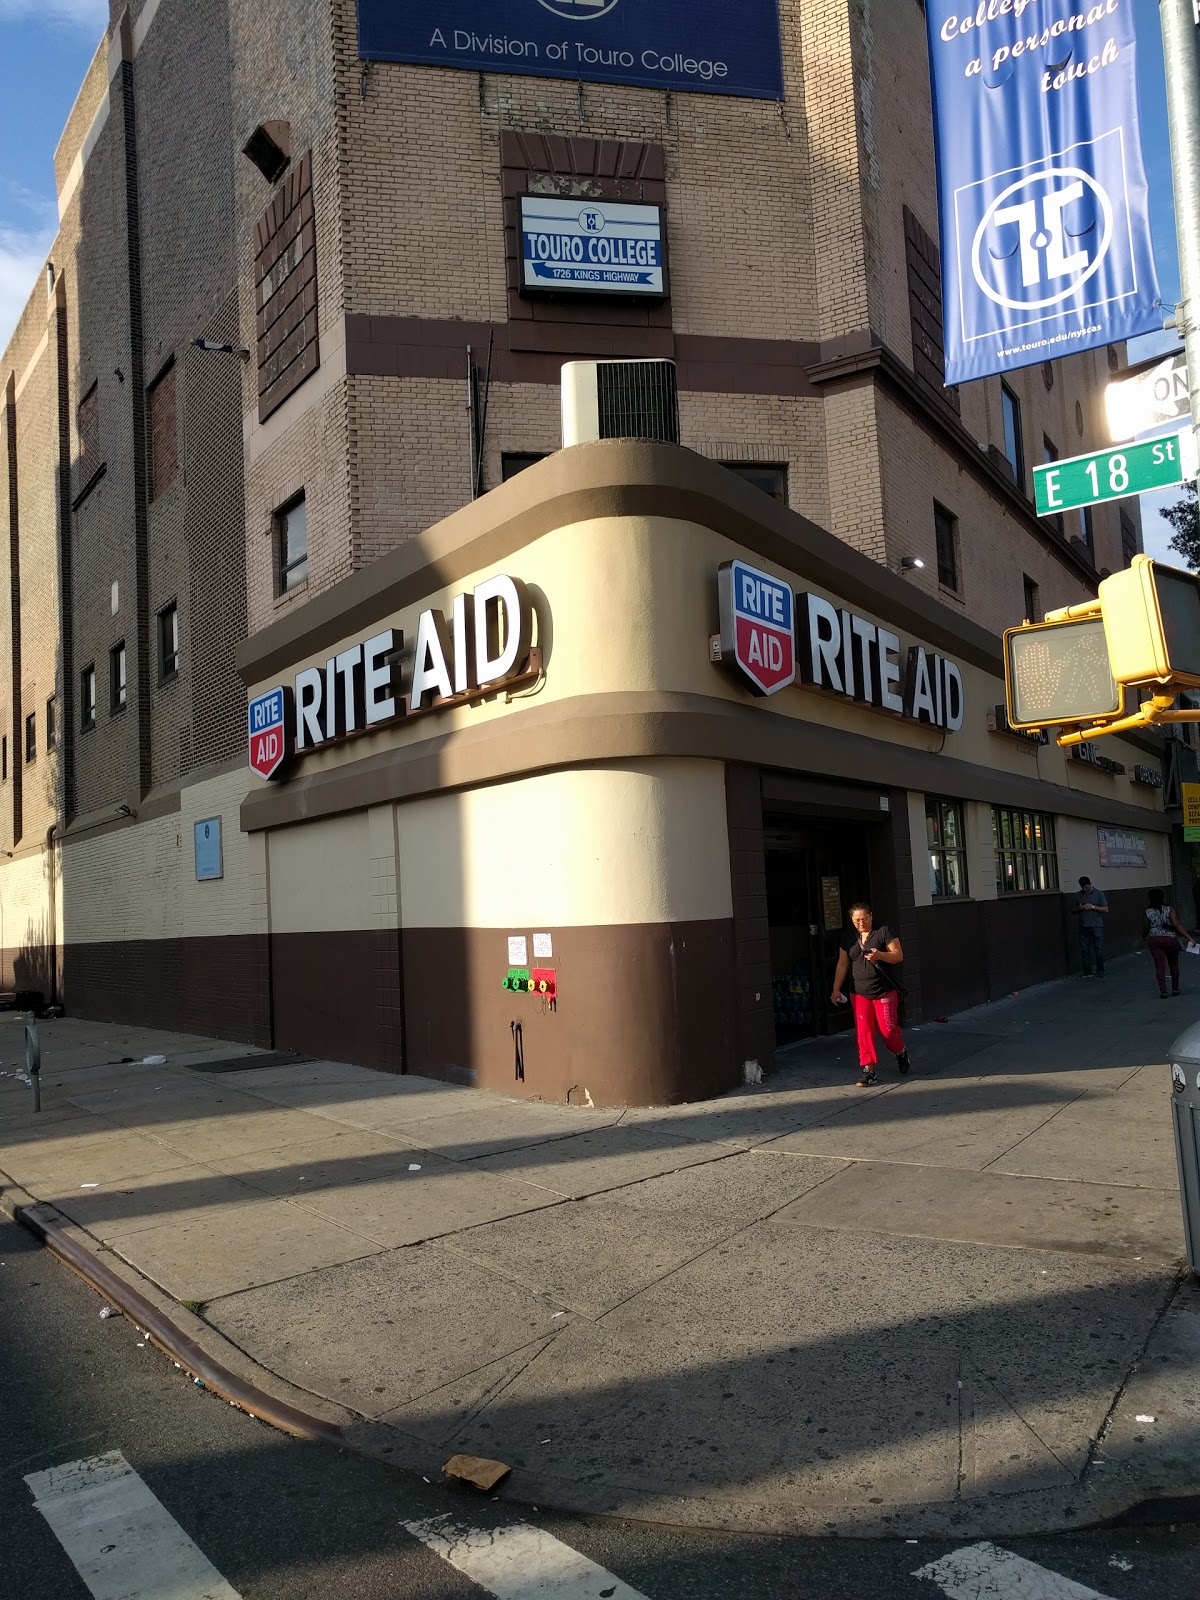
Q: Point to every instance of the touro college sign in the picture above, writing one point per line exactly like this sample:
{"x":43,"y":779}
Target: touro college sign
{"x":597,"y":246}
{"x":707,"y":46}
{"x":1045,"y":226}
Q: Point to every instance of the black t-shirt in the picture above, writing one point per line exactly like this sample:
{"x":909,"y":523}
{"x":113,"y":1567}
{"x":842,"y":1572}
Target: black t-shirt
{"x":871,"y":980}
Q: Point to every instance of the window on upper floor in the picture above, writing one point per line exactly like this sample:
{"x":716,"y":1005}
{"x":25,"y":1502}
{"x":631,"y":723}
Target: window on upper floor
{"x":1014,"y":443}
{"x":87,"y":698}
{"x":945,"y":533}
{"x":1129,"y":539}
{"x":51,"y":723}
{"x":291,"y":536}
{"x":772,"y":480}
{"x":1033,"y":604}
{"x":116,"y":677}
{"x":1050,"y":453}
{"x":1088,"y":528}
{"x":87,"y":420}
{"x":31,"y":738}
{"x":513,"y":462}
{"x":168,"y":641}
{"x":160,"y":422}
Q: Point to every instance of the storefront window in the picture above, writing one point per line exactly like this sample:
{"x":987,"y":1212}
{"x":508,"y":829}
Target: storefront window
{"x":946,"y":837}
{"x":1025,"y":855}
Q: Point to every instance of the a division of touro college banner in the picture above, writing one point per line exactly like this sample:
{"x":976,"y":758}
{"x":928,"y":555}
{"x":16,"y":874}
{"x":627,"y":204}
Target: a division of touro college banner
{"x":709,"y":46}
{"x":1041,"y":185}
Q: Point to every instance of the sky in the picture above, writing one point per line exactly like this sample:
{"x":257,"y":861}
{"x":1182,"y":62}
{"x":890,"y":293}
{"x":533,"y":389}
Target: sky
{"x":46,"y":45}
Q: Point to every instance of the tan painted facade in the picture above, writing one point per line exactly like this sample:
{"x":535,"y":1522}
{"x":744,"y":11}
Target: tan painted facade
{"x":617,"y":801}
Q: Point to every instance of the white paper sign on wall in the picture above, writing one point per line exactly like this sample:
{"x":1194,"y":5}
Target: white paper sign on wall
{"x":518,"y":950}
{"x":543,"y":947}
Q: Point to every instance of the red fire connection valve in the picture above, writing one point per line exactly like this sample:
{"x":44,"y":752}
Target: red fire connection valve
{"x":543,"y":983}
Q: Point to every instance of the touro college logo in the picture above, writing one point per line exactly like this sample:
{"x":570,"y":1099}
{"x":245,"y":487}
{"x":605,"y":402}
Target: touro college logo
{"x":580,"y":10}
{"x":1042,"y":238}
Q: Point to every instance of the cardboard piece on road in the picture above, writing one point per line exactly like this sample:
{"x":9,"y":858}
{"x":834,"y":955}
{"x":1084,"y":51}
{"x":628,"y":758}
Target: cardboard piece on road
{"x":478,"y":1471}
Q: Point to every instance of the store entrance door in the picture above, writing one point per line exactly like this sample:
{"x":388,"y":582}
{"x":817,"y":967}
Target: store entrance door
{"x":815,"y":871}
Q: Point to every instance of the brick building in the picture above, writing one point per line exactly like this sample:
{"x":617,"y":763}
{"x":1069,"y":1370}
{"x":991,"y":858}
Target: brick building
{"x":185,"y":520}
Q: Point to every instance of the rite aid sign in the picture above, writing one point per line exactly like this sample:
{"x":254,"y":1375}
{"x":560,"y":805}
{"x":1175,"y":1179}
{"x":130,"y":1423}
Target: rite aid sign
{"x":591,"y":246}
{"x":483,"y":644}
{"x":770,"y":636}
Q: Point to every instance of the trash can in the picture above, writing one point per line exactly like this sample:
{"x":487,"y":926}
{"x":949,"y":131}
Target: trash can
{"x":1185,"y":1114}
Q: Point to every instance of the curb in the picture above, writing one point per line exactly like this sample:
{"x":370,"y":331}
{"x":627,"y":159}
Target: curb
{"x":1025,"y":1514}
{"x":161,"y":1330}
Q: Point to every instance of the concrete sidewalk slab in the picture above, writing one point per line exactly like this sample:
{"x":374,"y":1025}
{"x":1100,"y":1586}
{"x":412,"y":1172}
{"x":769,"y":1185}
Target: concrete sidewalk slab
{"x":192,"y":1260}
{"x":997,"y":1209}
{"x":378,"y":1333}
{"x":801,"y":1306}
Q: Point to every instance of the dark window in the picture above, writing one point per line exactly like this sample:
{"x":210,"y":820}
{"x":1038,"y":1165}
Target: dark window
{"x":4,"y":757}
{"x":1026,"y":860}
{"x":1033,"y":608}
{"x":31,"y":738}
{"x":116,"y":677}
{"x":947,"y":840}
{"x":771,"y":480}
{"x":291,"y":530}
{"x":161,"y":417}
{"x":945,"y":532}
{"x":88,"y":418}
{"x":1129,"y":539}
{"x":924,"y":267}
{"x":512,"y":463}
{"x":87,"y":698}
{"x":51,"y":723}
{"x":1089,"y":531}
{"x":168,"y":641}
{"x":1014,"y":444}
{"x":1050,"y":453}
{"x":285,"y":277}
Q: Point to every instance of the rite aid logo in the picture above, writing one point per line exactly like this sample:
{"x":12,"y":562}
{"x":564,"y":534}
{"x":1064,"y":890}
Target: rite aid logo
{"x":580,"y":10}
{"x":1042,"y":238}
{"x":267,"y":718}
{"x":758,"y":631}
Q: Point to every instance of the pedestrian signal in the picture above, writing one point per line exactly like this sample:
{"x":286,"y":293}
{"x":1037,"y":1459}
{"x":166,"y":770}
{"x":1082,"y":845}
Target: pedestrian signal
{"x":1056,"y":672}
{"x":1152,"y":619}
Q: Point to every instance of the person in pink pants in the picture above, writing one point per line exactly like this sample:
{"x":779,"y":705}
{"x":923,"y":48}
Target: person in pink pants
{"x":1162,"y":931}
{"x":866,"y":956}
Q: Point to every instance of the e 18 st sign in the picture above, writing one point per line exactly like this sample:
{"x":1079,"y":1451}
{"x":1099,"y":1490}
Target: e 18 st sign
{"x":1113,"y":474}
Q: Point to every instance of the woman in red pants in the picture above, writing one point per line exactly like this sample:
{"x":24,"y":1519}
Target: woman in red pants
{"x":865,"y":958}
{"x":1162,"y":931}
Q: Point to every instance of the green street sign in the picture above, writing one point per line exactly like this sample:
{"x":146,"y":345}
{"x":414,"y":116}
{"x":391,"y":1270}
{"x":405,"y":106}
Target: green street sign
{"x":1191,"y":836}
{"x":1113,"y":474}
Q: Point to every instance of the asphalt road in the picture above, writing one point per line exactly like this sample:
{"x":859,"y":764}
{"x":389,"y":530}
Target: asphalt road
{"x":288,"y":1520}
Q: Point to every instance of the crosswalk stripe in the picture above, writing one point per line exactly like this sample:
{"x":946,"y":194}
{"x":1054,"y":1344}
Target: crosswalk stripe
{"x":124,"y":1542}
{"x":519,"y":1562}
{"x":980,"y":1570}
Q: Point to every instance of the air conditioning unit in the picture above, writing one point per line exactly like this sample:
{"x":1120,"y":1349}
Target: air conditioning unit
{"x":619,"y":400}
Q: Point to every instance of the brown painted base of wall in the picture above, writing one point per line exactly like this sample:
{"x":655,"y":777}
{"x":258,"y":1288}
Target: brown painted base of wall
{"x":337,"y":995}
{"x":212,"y":986}
{"x":646,"y":1014}
{"x":972,"y":951}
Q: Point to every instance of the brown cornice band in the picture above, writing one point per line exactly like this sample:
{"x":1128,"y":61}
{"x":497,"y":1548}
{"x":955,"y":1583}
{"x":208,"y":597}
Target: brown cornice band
{"x":637,"y":727}
{"x":612,"y":479}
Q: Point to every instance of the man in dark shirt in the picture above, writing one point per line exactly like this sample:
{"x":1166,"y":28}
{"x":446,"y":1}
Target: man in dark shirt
{"x":1090,"y":906}
{"x":866,"y":958}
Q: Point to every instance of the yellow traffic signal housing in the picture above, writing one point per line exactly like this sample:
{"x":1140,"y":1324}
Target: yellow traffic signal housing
{"x":1151,"y":617}
{"x":1056,"y":672}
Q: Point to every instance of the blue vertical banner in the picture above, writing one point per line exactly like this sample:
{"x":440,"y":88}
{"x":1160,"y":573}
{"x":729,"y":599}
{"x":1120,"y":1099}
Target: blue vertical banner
{"x":1042,"y":193}
{"x":700,"y":46}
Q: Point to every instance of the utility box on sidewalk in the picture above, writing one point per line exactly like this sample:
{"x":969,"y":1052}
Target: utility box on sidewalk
{"x":1185,"y":1114}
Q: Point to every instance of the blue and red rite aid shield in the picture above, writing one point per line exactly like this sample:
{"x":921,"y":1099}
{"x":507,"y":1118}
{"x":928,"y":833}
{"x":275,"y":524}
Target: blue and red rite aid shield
{"x":758,"y":632}
{"x":267,"y":717}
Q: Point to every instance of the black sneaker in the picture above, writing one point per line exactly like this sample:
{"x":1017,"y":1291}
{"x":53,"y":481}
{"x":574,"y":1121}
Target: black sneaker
{"x":903,"y":1064}
{"x":869,"y":1078}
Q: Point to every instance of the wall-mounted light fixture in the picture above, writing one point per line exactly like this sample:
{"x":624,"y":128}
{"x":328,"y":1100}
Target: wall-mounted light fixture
{"x":222,"y":349}
{"x":124,"y":811}
{"x":911,"y":564}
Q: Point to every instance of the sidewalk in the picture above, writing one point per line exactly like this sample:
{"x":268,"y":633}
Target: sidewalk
{"x":936,"y":1306}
